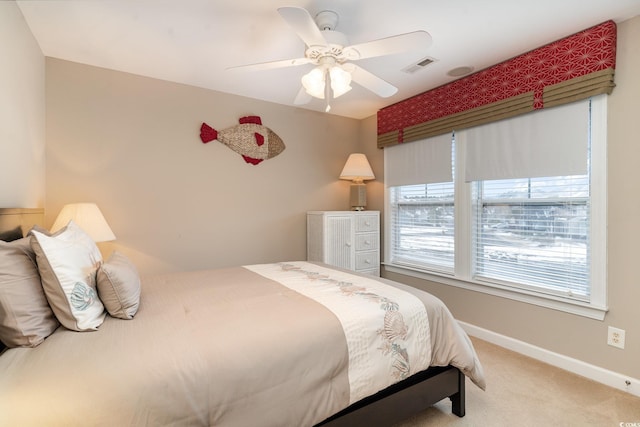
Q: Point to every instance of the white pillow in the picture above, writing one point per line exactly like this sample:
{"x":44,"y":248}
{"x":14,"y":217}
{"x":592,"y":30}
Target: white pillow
{"x":67,"y":262}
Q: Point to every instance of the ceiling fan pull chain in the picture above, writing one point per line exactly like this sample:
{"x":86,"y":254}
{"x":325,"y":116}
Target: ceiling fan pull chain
{"x":327,"y":89}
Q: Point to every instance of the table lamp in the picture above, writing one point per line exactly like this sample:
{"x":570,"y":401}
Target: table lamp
{"x":88,"y":217}
{"x":357,"y":170}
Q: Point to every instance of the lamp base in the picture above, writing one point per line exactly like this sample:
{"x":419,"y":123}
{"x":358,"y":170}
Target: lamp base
{"x":358,"y":197}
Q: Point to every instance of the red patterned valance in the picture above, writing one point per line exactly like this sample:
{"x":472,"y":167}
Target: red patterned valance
{"x":559,"y":72}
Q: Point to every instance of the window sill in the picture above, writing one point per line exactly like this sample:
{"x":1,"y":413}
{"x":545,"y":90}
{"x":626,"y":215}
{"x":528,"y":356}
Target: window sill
{"x":555,"y":303}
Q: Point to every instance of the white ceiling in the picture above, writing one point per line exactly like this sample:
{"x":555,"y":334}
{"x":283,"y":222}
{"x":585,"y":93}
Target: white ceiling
{"x":195,"y":41}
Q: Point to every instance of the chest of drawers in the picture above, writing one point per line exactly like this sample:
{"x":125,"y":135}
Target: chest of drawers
{"x":346,"y":239}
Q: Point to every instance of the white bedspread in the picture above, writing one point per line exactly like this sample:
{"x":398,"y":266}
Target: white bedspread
{"x":387,"y":329}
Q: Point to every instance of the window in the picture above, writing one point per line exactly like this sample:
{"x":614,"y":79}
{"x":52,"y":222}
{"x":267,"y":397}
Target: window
{"x":534,"y":233}
{"x":423,"y":226}
{"x":422,"y":199}
{"x":524,"y":215}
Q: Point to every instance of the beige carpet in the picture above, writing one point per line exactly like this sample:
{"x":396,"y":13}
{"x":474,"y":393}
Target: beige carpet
{"x":523,"y":392}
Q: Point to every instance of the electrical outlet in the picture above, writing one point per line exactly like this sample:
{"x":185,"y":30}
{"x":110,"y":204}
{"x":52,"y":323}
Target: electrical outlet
{"x":615,"y":337}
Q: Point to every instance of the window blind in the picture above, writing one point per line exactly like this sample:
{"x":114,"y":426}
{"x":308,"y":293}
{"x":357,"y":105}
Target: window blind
{"x":549,"y":142}
{"x":421,"y":162}
{"x":534,"y":233}
{"x":423,"y":226}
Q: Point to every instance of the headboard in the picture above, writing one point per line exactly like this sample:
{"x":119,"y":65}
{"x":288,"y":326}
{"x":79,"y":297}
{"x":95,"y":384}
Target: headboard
{"x":23,"y":218}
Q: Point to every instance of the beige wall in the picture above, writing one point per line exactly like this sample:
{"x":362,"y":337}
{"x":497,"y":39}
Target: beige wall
{"x":131,"y":144}
{"x":22,"y":115}
{"x":574,"y":336}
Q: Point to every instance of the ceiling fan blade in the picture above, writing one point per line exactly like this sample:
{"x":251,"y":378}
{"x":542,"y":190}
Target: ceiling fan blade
{"x":303,"y":24}
{"x":389,"y":45}
{"x":302,"y":97}
{"x":272,"y":64}
{"x":370,"y":81}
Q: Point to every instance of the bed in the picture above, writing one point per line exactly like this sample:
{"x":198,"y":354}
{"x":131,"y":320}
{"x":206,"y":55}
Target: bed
{"x":281,"y":344}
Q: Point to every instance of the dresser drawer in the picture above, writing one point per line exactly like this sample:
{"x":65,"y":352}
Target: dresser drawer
{"x":366,"y":241}
{"x":372,"y":272}
{"x":366,"y":223}
{"x":367,"y":260}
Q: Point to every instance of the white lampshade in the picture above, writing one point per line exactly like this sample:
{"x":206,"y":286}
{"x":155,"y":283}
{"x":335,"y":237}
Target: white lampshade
{"x":357,"y":168}
{"x":88,"y":217}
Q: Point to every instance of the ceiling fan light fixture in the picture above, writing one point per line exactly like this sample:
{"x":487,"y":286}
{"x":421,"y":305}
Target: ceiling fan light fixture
{"x":313,"y":82}
{"x":340,"y":81}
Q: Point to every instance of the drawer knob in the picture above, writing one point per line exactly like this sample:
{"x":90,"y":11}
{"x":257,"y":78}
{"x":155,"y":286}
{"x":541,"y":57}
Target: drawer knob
{"x":367,"y":223}
{"x":367,"y":242}
{"x":366,"y":261}
{"x":348,"y":244}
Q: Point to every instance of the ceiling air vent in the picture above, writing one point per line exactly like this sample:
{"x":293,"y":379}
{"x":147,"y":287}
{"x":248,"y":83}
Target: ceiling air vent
{"x":418,"y":65}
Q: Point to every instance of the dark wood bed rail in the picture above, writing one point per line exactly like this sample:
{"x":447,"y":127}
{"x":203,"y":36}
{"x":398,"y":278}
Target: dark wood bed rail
{"x":405,"y":399}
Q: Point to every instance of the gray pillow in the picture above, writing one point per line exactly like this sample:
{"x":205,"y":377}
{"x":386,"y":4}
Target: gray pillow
{"x":25,"y":316}
{"x":11,"y":235}
{"x":119,"y":286}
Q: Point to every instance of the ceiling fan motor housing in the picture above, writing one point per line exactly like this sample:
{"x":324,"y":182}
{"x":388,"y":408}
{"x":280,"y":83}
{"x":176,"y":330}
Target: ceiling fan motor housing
{"x":336,"y":41}
{"x":326,"y":20}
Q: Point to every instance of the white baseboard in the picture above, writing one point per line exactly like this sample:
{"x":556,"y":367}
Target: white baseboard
{"x":578,"y":367}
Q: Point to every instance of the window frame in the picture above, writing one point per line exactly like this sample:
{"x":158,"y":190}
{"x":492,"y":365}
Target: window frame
{"x":462,"y":276}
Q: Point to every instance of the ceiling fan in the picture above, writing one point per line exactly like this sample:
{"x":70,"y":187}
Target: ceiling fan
{"x":331,"y":54}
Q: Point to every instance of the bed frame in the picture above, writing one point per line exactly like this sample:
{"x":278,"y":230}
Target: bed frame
{"x":391,"y":405}
{"x":405,"y":399}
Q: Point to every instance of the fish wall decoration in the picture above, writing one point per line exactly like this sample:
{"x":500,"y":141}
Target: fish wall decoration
{"x":253,"y":141}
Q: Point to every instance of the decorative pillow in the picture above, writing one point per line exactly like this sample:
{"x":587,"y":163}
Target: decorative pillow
{"x":119,"y":286}
{"x":25,"y":316}
{"x":67,"y":262}
{"x":11,"y":235}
